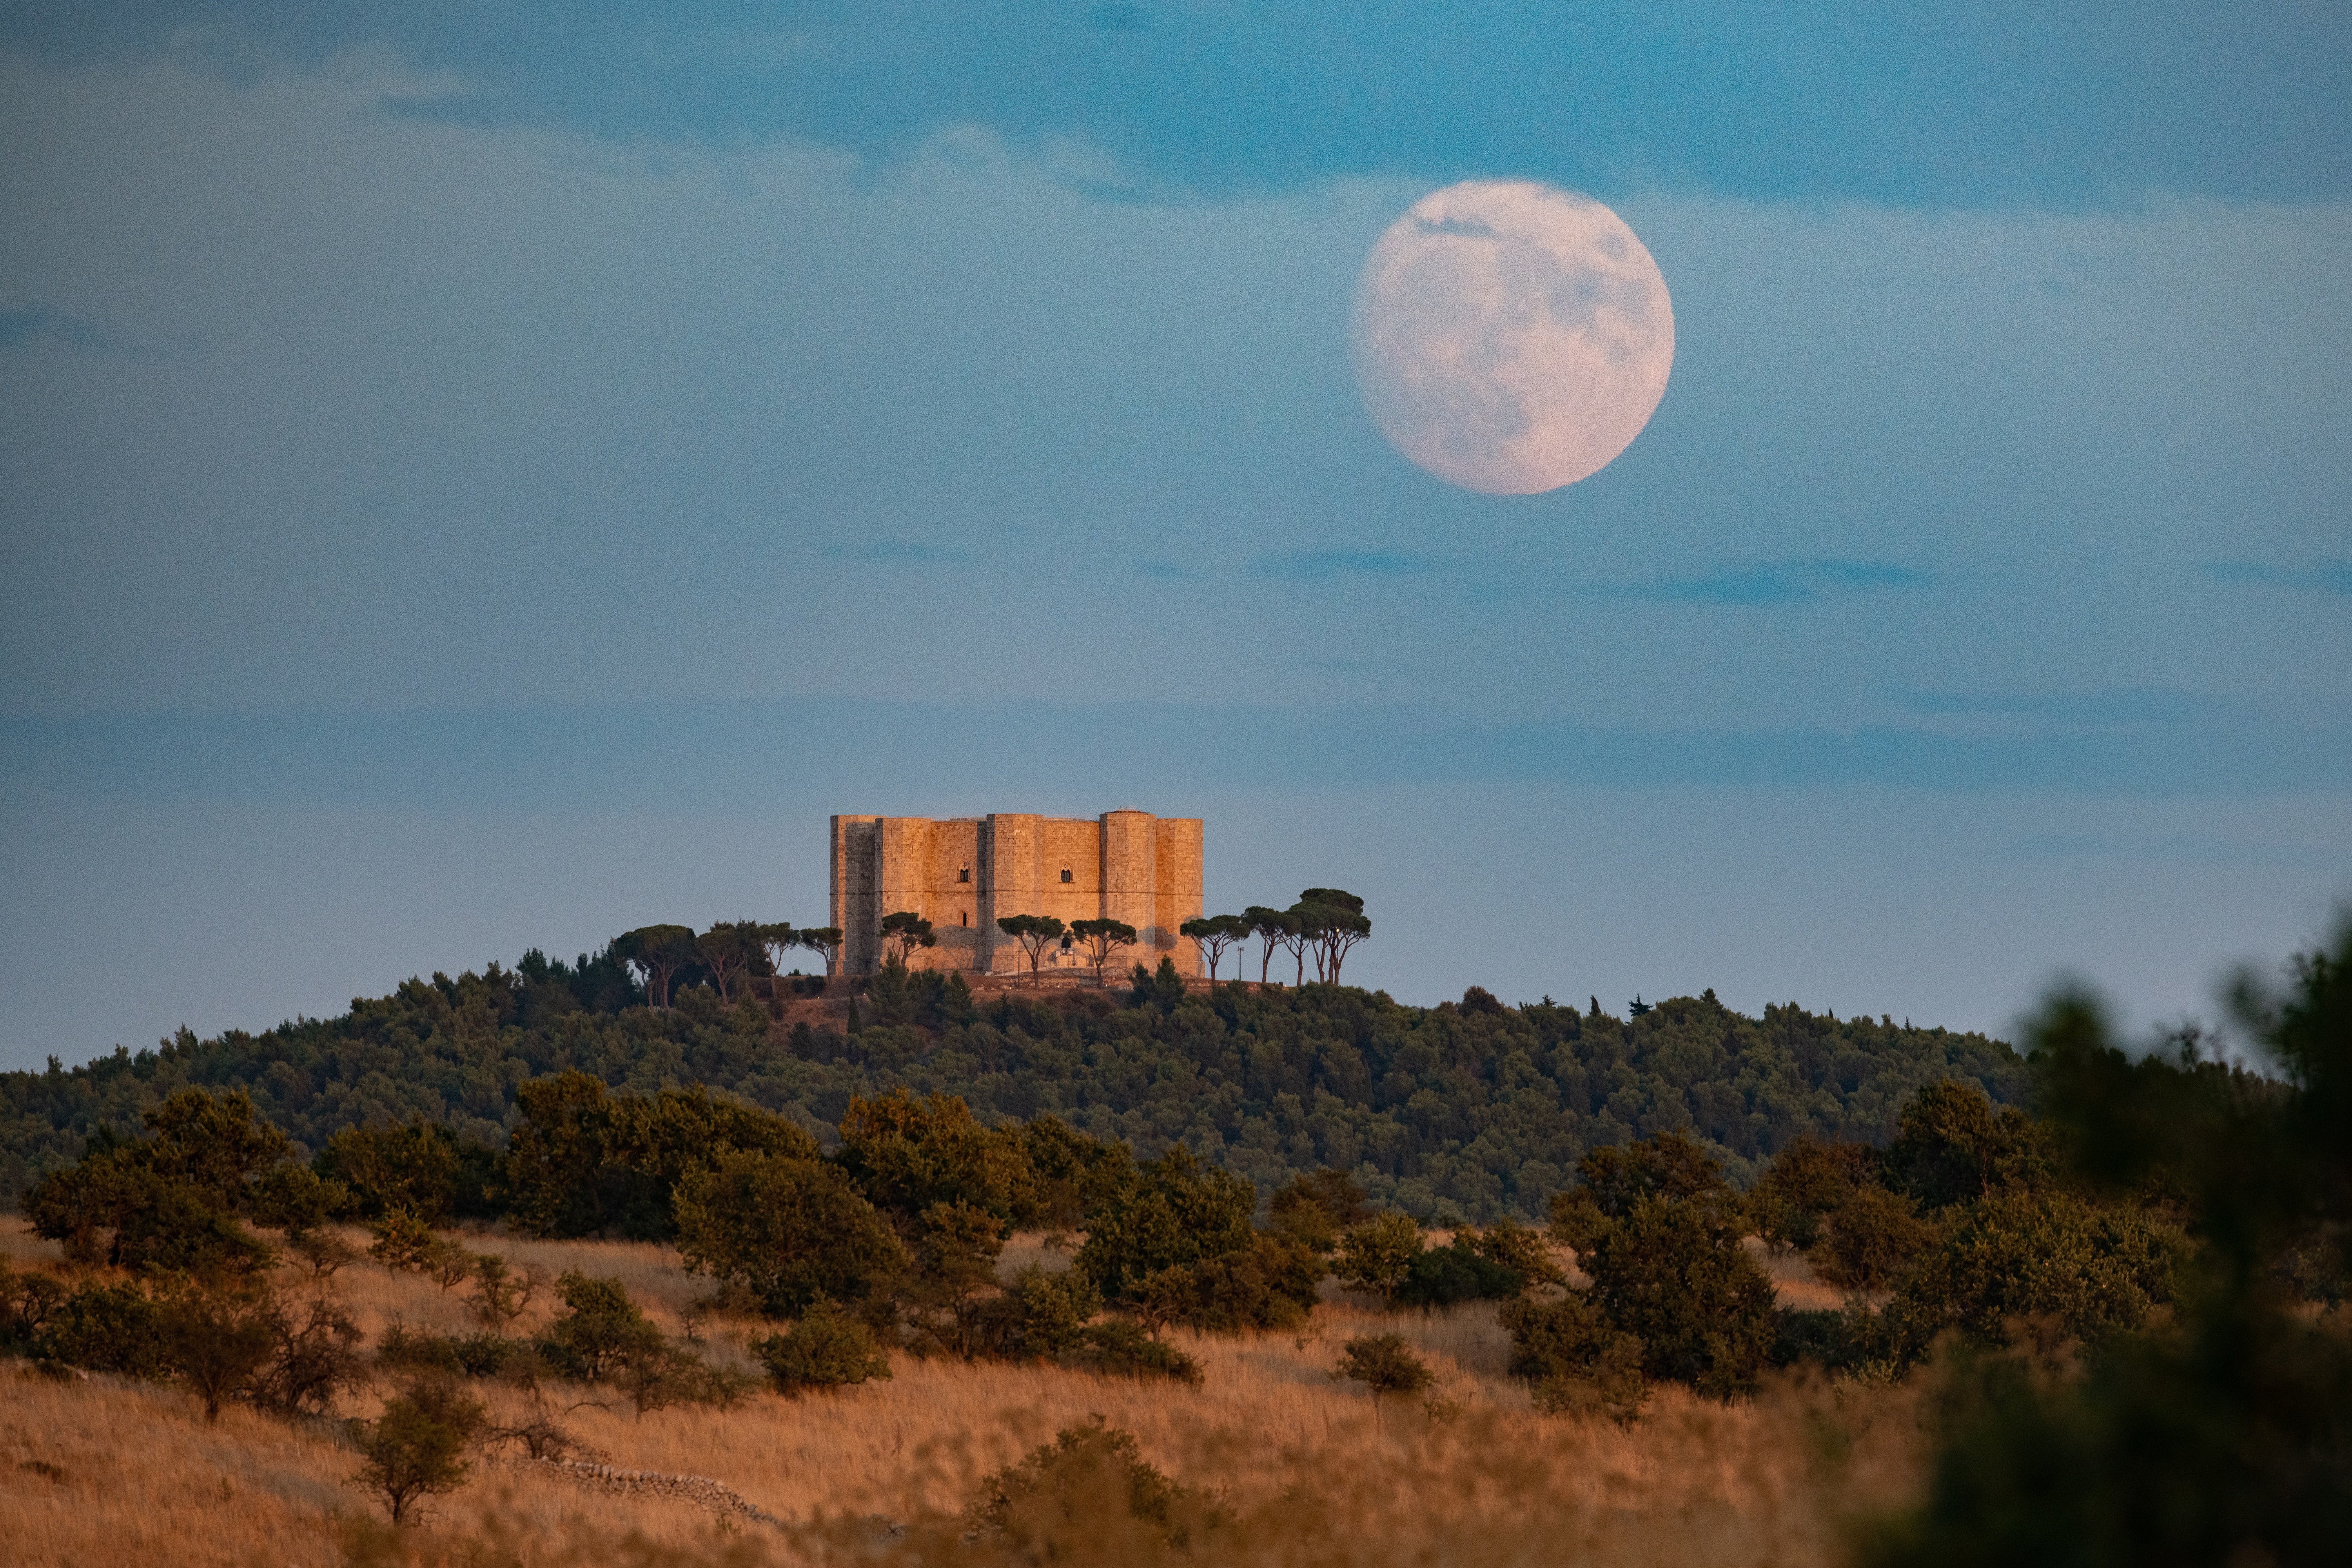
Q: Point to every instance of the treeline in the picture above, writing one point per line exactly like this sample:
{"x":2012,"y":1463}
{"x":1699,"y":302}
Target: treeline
{"x":1468,"y":1110}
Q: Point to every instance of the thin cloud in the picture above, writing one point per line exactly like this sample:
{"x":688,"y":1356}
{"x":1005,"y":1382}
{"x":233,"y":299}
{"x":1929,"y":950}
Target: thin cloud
{"x":2120,"y":705}
{"x":1773,"y":582}
{"x":2327,"y":577}
{"x":20,"y":329}
{"x":894,"y":551}
{"x":1335,"y":565}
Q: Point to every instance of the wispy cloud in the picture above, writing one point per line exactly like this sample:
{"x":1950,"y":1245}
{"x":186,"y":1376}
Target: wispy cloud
{"x":898,"y":550}
{"x":21,"y":328}
{"x":1772,"y":582}
{"x":1334,"y":566}
{"x":2325,"y":577}
{"x":2121,"y":705}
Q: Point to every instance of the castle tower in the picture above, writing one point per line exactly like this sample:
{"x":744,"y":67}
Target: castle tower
{"x":965,"y":874}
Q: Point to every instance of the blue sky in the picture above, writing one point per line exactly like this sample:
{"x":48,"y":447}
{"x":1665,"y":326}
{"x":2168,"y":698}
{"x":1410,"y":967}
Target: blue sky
{"x":483,"y":477}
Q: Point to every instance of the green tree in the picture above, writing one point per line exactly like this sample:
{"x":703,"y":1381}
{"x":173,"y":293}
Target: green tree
{"x":1214,"y":933}
{"x":1101,"y":938}
{"x":1573,"y":1359}
{"x":788,"y":1230}
{"x":1332,"y":922}
{"x":907,"y":1155}
{"x":1956,"y":1145}
{"x":1316,"y":1207}
{"x":828,"y":1348}
{"x":777,"y":940}
{"x":903,"y":932}
{"x":1807,"y":1182}
{"x":386,"y":1166}
{"x":656,"y":952}
{"x":1175,"y":1211}
{"x":1385,"y":1364}
{"x":1657,"y":1232}
{"x":416,"y":1448}
{"x":1035,"y":934}
{"x":825,"y":941}
{"x":600,"y":1332}
{"x":2221,"y":1435}
{"x":1278,"y":930}
{"x":218,"y":1342}
{"x":732,"y":950}
{"x":1378,"y":1255}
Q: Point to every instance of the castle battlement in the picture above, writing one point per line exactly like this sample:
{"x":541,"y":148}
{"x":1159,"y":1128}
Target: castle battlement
{"x":966,"y":873}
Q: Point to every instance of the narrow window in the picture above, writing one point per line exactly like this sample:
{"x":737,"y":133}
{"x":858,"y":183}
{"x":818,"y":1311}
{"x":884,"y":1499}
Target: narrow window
{"x":964,"y":875}
{"x":965,"y":916}
{"x":1066,"y":873}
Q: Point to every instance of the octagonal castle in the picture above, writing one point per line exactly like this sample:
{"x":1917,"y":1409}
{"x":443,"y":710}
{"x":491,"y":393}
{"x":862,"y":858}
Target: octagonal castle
{"x":965,"y":874}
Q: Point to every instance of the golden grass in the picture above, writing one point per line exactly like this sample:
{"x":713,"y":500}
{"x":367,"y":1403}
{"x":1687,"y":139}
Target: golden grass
{"x":132,"y":1474}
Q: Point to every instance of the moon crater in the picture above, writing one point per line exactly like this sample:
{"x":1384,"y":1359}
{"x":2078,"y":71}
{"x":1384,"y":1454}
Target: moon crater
{"x":1511,"y":337}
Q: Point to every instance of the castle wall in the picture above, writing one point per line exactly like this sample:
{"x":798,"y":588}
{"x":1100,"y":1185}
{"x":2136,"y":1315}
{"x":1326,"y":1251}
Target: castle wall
{"x":965,"y":874}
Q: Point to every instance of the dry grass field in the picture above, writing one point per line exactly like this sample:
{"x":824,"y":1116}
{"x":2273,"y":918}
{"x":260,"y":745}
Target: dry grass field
{"x":95,"y":1471}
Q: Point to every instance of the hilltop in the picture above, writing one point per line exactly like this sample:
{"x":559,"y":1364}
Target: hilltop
{"x":1467,"y":1110}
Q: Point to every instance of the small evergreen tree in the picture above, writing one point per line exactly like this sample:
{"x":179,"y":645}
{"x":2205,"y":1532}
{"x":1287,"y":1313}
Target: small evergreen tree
{"x":416,"y":1448}
{"x":1384,"y":1363}
{"x":828,"y":1348}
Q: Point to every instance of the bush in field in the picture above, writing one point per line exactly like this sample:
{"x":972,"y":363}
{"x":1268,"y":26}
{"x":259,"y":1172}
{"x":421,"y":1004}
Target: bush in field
{"x":2095,"y":1271}
{"x":1574,"y":1360}
{"x":1271,"y":1284}
{"x":1318,"y":1207}
{"x":1458,"y":1271}
{"x":908,"y":1154}
{"x":417,"y":1168}
{"x":1038,"y":1316}
{"x":599,"y":1332}
{"x":1090,"y":1488}
{"x":107,"y":1327}
{"x":401,"y":1239}
{"x":581,"y":1160}
{"x":476,"y":1355}
{"x":1869,"y":1239}
{"x":416,"y":1448}
{"x":1378,"y":1255}
{"x":217,"y":1344}
{"x":1121,"y":1347}
{"x":828,"y":1348}
{"x":1954,"y":1145}
{"x":1657,"y":1232}
{"x":1384,"y":1363}
{"x":1807,"y":1182}
{"x":1175,"y":1211}
{"x":786,"y":1230}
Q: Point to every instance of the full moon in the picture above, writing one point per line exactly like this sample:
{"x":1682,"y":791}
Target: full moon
{"x":1511,"y":337}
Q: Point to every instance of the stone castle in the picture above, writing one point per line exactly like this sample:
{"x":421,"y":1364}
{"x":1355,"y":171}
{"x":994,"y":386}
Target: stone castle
{"x":966,"y":874}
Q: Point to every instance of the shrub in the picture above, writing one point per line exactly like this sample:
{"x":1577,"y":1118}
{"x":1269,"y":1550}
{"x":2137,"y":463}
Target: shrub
{"x":1954,"y":1146}
{"x":501,"y":1292}
{"x":1458,"y":1271}
{"x":599,"y":1331}
{"x":416,"y":1448}
{"x":1829,"y":1339}
{"x":828,"y":1348}
{"x":1658,"y":1230}
{"x":1384,"y":1363}
{"x":1175,"y":1212}
{"x":107,"y":1327}
{"x":29,"y":1301}
{"x":788,"y":1230}
{"x":316,"y":1356}
{"x":217,"y":1344}
{"x":1315,"y":1209}
{"x":1807,"y":1182}
{"x":1378,"y":1255}
{"x":477,"y":1356}
{"x":1574,"y":1360}
{"x":402,"y":1240}
{"x":1089,"y":1488}
{"x":384,"y":1167}
{"x":1269,"y":1285}
{"x":2016,"y":1255}
{"x":1121,"y":1348}
{"x":1868,"y":1240}
{"x":1038,"y":1316}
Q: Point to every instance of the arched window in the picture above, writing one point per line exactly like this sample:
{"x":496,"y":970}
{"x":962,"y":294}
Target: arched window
{"x":1066,"y":873}
{"x":964,"y":875}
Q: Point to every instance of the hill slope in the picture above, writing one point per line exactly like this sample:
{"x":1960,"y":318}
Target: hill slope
{"x":1462,"y":1111}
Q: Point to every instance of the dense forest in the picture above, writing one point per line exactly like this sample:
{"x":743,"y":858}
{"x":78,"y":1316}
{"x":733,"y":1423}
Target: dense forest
{"x":1465,"y":1111}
